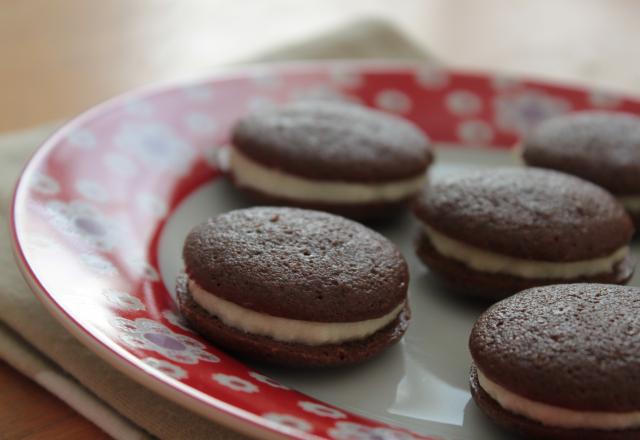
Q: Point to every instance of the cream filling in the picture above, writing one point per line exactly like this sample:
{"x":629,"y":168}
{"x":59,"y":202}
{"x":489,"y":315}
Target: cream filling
{"x":284,"y":329}
{"x":251,"y":174}
{"x":557,"y":416}
{"x":485,"y":261}
{"x":631,"y":203}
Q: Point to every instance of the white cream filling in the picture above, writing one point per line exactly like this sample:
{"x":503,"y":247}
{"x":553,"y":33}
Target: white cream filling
{"x":485,"y":261}
{"x":631,"y":203}
{"x":251,"y":174}
{"x":557,"y":416}
{"x":284,"y":329}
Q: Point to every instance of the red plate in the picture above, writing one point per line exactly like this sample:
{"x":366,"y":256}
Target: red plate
{"x":94,"y":203}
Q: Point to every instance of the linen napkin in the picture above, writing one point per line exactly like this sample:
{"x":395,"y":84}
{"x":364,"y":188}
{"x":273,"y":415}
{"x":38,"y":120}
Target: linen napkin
{"x":33,"y":342}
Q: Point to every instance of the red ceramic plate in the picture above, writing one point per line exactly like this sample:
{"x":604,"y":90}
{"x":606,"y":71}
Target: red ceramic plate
{"x":107,"y":200}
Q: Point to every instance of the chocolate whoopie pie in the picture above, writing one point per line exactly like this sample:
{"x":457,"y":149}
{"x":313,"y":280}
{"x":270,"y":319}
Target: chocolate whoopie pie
{"x":294,"y":287}
{"x":332,"y":156}
{"x":561,"y":362}
{"x":602,"y":147}
{"x":492,"y":233}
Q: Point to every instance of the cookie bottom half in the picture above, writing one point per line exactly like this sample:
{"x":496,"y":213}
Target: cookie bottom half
{"x":531,"y":428}
{"x":268,"y":350}
{"x":369,"y":211}
{"x":463,"y":280}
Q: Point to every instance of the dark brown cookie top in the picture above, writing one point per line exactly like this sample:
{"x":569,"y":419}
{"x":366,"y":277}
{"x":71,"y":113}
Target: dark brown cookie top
{"x":603,"y":147}
{"x":527,"y":213}
{"x":571,"y":345}
{"x":334,"y":141}
{"x":297,"y":264}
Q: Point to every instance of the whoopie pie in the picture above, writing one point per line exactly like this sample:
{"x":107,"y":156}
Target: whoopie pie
{"x":333,"y":156}
{"x":294,"y":287}
{"x":600,"y":146}
{"x":494,"y":232}
{"x":561,"y":362}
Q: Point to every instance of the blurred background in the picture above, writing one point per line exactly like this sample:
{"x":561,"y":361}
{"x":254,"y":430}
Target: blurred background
{"x":60,"y":57}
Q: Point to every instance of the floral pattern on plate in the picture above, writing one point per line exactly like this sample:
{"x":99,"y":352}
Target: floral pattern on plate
{"x":96,"y":195}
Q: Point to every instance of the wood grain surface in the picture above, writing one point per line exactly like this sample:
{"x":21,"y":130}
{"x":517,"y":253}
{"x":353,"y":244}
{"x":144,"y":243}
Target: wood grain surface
{"x":62,"y":56}
{"x":29,"y":412}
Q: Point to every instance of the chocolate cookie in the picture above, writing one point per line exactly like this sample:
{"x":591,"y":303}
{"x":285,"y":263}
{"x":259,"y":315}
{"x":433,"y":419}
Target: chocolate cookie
{"x":561,"y":362}
{"x":333,"y":156}
{"x":294,"y":286}
{"x":491,"y":233}
{"x":602,"y":147}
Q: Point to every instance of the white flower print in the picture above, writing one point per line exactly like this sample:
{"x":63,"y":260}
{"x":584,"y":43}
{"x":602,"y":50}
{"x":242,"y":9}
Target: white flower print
{"x":349,"y":431}
{"x":520,"y":111}
{"x":475,"y":132}
{"x":138,"y":108}
{"x":209,"y":357}
{"x":432,"y":76}
{"x":463,"y":102}
{"x":267,"y":380}
{"x":151,"y":204}
{"x":141,"y":267}
{"x":201,"y":124}
{"x":83,"y":221}
{"x":235,"y":383}
{"x":82,"y":138}
{"x":321,"y":410}
{"x":91,"y":190}
{"x":198,"y":93}
{"x":166,"y":367}
{"x":44,"y":184}
{"x":176,"y":319}
{"x":345,"y":76}
{"x":604,"y":99}
{"x":356,"y":431}
{"x":147,"y":334}
{"x":99,"y":264}
{"x":120,"y":164}
{"x":265,"y":78}
{"x":155,"y":145}
{"x":289,"y":421}
{"x":503,"y":82}
{"x":393,"y":101}
{"x":123,"y":300}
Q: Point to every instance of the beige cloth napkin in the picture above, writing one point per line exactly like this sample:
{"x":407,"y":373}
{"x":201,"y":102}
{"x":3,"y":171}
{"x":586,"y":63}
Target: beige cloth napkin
{"x":33,"y":342}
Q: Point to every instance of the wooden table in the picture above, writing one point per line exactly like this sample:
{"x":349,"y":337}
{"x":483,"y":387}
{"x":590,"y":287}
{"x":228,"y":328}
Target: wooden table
{"x":62,"y":56}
